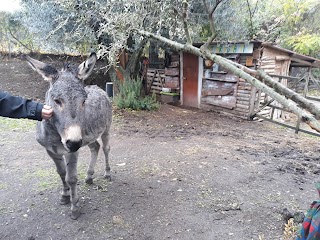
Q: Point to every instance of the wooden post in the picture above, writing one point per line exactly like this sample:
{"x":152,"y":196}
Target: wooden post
{"x":314,"y":81}
{"x":306,"y":87}
{"x":252,"y":100}
{"x":298,"y":126}
{"x":278,"y":112}
{"x":305,"y":92}
{"x":272,"y":113}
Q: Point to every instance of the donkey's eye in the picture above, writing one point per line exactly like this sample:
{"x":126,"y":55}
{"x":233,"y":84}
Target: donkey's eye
{"x":58,"y":102}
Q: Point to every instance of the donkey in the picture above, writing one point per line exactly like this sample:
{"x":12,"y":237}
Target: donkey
{"x":81,"y":115}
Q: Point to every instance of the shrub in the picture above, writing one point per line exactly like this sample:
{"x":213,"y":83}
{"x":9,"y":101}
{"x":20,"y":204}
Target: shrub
{"x":129,"y":96}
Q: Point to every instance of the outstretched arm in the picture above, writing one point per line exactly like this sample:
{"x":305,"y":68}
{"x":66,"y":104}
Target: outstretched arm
{"x":18,"y":107}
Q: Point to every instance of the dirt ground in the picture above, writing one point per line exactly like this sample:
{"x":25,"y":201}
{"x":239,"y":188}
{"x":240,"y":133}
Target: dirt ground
{"x":176,"y":174}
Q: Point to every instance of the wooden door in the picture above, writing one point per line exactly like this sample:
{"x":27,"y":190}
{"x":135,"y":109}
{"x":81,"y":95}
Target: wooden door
{"x":190,"y":80}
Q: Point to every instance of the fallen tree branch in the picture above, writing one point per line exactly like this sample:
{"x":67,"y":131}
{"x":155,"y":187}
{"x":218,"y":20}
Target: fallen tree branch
{"x":204,"y":53}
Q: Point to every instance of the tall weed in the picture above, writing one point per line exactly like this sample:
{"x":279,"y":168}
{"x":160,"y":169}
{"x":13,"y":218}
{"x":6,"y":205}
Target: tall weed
{"x":129,"y":97}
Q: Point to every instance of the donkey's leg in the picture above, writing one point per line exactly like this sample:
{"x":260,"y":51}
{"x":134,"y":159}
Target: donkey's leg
{"x":61,"y":169}
{"x":106,"y":149}
{"x":94,"y":149}
{"x":71,"y":179}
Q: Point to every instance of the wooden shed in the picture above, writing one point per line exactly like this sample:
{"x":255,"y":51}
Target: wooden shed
{"x":209,"y":86}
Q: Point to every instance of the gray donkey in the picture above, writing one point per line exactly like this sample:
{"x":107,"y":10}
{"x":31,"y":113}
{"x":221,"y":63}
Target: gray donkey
{"x":81,"y":116}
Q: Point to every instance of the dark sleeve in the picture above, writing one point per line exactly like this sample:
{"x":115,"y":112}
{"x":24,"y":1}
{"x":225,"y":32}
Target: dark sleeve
{"x":18,"y":107}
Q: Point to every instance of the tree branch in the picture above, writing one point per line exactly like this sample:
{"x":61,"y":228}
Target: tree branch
{"x":15,"y":38}
{"x":210,"y":12}
{"x":185,"y":23}
{"x":250,"y":18}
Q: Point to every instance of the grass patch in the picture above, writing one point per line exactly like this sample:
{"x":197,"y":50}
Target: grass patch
{"x":290,"y":230}
{"x":47,"y":179}
{"x":149,"y":170}
{"x":17,"y":124}
{"x":82,"y":171}
{"x":314,"y":92}
{"x":3,"y":186}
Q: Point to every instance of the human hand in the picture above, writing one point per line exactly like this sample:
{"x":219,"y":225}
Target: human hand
{"x":47,"y":112}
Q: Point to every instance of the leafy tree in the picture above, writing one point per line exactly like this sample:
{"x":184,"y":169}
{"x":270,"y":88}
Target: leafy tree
{"x":13,"y":36}
{"x":55,"y":29}
{"x":293,"y":24}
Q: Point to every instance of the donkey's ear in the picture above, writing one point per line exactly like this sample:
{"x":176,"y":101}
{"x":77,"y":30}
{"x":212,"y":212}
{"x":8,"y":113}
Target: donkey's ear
{"x":46,"y":71}
{"x":85,"y":68}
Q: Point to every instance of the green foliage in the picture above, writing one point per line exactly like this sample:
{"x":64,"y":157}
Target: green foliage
{"x":205,"y":32}
{"x":17,"y":124}
{"x":57,"y":26}
{"x":14,"y":37}
{"x":308,"y":44}
{"x":292,"y":24}
{"x":129,"y":96}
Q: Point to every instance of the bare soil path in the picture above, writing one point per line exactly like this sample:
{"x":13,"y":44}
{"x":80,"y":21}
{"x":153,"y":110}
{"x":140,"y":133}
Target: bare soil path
{"x":177,"y":174}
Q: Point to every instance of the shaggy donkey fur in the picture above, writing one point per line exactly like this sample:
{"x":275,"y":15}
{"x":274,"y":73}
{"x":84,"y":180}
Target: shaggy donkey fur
{"x":81,"y":116}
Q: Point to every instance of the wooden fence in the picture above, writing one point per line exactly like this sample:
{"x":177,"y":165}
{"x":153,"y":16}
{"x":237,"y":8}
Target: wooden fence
{"x":271,"y":106}
{"x":155,"y":80}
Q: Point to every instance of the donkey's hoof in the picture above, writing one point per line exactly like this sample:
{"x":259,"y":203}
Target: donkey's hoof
{"x":75,"y":214}
{"x":107,"y":177}
{"x":89,"y":180}
{"x":64,"y":200}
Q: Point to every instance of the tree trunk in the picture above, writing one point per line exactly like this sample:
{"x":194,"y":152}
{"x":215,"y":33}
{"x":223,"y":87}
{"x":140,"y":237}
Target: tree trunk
{"x":132,"y":68}
{"x":204,"y":53}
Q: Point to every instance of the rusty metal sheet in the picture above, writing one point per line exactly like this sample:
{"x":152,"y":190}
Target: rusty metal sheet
{"x":219,"y":93}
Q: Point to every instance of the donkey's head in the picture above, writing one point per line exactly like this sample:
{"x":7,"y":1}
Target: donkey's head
{"x":67,"y":97}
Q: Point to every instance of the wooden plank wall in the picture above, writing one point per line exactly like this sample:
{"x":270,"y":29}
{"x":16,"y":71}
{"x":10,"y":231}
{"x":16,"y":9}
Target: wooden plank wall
{"x":245,"y":98}
{"x":271,"y":65}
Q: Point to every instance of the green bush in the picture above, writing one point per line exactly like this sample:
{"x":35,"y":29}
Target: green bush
{"x":129,"y":96}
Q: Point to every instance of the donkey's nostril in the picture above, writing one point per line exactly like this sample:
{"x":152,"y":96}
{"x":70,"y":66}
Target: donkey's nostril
{"x":73,"y":146}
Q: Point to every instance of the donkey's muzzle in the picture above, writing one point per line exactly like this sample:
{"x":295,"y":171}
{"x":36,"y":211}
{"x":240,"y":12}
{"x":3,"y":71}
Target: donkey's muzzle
{"x":73,"y":146}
